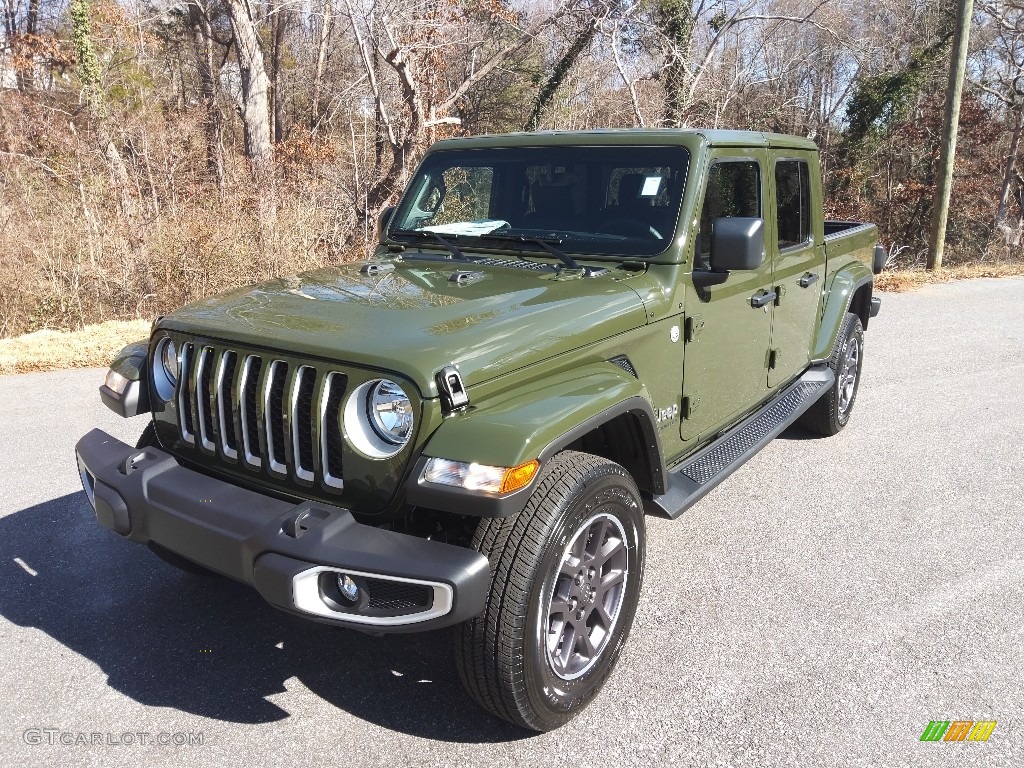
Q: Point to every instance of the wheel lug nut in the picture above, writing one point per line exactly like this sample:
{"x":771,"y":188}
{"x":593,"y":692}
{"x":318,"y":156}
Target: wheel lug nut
{"x":579,"y":579}
{"x":579,"y":615}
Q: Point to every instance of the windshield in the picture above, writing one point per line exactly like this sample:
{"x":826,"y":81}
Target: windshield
{"x":598,"y":200}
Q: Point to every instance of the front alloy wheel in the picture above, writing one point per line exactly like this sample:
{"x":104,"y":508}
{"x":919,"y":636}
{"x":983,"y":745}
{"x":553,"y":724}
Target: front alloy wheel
{"x":586,"y":597}
{"x":565,"y":582}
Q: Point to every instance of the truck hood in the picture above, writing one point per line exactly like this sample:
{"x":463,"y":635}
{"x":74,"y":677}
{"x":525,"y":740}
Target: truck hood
{"x":414,"y":320}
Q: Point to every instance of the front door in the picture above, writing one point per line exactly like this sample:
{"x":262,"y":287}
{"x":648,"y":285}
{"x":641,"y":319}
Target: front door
{"x":728,"y":324}
{"x":798,"y":262}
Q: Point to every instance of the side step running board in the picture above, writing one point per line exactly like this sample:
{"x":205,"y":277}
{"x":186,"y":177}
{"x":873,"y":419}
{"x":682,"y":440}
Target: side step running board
{"x":698,"y":474}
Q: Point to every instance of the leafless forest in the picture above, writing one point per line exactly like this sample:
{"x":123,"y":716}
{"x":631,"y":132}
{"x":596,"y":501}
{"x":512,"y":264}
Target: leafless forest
{"x":152,"y":152}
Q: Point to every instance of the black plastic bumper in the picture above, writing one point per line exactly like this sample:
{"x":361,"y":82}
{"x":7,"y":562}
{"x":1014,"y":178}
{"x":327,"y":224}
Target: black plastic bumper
{"x":146,"y":496}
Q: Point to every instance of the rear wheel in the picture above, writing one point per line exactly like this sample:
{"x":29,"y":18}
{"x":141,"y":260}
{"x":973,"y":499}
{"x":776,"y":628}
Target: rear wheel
{"x":565,"y":582}
{"x":832,"y":411}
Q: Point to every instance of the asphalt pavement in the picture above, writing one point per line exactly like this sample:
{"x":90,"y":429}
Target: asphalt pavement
{"x":818,"y":609}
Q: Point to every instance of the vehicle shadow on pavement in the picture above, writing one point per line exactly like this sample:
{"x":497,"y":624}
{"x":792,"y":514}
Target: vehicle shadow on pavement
{"x":796,"y":432}
{"x":214,"y":648}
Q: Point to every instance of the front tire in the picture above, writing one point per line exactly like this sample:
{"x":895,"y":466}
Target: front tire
{"x":565,"y":583}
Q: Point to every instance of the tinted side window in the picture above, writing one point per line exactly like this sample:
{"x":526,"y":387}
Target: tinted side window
{"x":793,"y":202}
{"x":734,"y":189}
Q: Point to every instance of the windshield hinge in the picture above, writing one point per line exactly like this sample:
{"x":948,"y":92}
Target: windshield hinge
{"x":690,"y":404}
{"x":694,"y":325}
{"x":377,"y":268}
{"x":454,"y":396}
{"x":461,"y":277}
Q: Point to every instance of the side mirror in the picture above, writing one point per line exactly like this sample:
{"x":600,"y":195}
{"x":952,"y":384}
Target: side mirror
{"x":383,"y":219}
{"x":736,"y":243}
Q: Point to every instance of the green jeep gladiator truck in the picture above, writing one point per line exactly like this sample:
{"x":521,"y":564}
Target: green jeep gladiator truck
{"x":556,"y":334}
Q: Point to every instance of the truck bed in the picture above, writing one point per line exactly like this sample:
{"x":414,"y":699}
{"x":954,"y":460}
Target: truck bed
{"x":847,"y":241}
{"x":835,"y":228}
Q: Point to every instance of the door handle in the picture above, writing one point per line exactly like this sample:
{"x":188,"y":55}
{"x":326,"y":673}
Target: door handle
{"x":809,"y":279}
{"x":760,"y":299}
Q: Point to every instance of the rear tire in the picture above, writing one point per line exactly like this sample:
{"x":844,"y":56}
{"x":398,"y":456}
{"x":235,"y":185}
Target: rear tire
{"x":565,"y":583}
{"x":831,"y":413}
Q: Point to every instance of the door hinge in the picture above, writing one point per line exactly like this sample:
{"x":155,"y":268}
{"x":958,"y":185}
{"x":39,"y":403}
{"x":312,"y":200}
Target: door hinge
{"x":694,"y":325}
{"x":774,"y":355}
{"x":689,"y":406}
{"x":780,"y":291}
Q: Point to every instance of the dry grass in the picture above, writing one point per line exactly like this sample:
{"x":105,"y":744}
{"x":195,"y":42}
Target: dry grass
{"x":903,"y":280}
{"x":93,"y":346}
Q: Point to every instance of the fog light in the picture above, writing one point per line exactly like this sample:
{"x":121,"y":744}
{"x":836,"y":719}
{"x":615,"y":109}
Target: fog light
{"x":348,"y":588}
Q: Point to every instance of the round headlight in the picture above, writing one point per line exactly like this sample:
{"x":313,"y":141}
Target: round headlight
{"x":165,"y":369}
{"x":389,"y":412}
{"x":169,"y":358}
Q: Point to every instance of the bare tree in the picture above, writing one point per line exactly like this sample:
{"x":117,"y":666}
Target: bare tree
{"x":324,"y":25}
{"x":208,"y":69}
{"x":396,"y":39}
{"x":582,"y":35}
{"x":1001,"y":75}
{"x":255,"y":107}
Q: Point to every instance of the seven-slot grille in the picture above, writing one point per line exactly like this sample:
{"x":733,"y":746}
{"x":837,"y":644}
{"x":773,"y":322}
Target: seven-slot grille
{"x":262,"y":412}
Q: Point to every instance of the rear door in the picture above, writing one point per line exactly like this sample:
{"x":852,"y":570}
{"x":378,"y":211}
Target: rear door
{"x":797,"y":254}
{"x":727,"y":337}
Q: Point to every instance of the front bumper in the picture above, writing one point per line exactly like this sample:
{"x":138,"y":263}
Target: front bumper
{"x":290,"y":553}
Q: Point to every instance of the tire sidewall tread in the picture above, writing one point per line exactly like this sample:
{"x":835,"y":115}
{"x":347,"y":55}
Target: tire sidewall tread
{"x":497,"y":664}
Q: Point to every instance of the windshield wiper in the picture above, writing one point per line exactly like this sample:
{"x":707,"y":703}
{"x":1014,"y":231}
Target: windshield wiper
{"x":426,"y":234}
{"x":543,"y":242}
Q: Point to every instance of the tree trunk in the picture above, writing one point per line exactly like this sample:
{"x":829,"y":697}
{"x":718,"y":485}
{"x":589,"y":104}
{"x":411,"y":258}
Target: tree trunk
{"x":202,"y":46}
{"x":1011,"y":165}
{"x":558,"y":74}
{"x":255,"y":112}
{"x":27,"y":76}
{"x":279,"y":25}
{"x":676,"y":18}
{"x":323,"y":41}
{"x":255,"y":106}
{"x":950,"y":124}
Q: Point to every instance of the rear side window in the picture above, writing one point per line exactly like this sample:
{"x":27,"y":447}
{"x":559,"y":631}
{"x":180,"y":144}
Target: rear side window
{"x":792,"y":203}
{"x":734,"y":189}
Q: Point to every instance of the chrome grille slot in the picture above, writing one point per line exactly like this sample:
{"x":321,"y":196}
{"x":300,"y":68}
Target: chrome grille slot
{"x":226,"y":404}
{"x":188,"y":433}
{"x":204,"y":397}
{"x":330,"y":429}
{"x":247,"y":397}
{"x":302,"y":422}
{"x":268,"y":414}
{"x":273,"y":416}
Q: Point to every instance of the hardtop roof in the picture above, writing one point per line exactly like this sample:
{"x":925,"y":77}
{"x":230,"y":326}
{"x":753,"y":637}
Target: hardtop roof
{"x":632,"y":136}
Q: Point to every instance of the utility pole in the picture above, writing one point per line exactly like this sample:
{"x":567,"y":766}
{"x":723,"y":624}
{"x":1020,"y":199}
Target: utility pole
{"x":940,"y":208}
